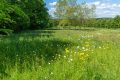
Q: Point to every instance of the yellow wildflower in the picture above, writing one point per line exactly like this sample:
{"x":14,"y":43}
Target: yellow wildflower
{"x":66,"y":50}
{"x":83,"y":56}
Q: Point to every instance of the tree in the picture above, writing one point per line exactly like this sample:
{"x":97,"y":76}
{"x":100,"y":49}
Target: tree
{"x":38,"y":14}
{"x":72,"y":12}
{"x":19,"y":15}
{"x":12,"y":17}
{"x":117,"y":21}
{"x":36,"y":10}
{"x":22,"y":20}
{"x":65,"y":11}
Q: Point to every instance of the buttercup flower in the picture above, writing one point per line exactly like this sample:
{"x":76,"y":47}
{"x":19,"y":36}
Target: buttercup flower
{"x":66,"y":50}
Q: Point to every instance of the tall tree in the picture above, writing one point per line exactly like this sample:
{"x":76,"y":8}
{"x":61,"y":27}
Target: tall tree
{"x":73,"y":12}
{"x":36,"y":11}
{"x":12,"y":17}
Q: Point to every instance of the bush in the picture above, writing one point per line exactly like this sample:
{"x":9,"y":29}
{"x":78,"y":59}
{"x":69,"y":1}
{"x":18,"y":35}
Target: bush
{"x":5,"y":31}
{"x":6,"y":23}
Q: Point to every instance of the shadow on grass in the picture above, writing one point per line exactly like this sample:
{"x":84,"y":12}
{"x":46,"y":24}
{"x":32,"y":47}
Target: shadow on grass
{"x":40,"y":33}
{"x":76,"y":29}
{"x":39,"y":43}
{"x":31,"y":34}
{"x":29,"y":50}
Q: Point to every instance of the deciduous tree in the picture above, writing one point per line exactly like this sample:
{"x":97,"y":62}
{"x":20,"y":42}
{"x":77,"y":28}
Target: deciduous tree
{"x":74,"y":13}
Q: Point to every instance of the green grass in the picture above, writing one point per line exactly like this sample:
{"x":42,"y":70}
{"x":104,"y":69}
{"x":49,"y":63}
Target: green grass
{"x":86,"y":54}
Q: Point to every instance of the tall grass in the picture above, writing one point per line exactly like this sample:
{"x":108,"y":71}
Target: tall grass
{"x":61,"y":55}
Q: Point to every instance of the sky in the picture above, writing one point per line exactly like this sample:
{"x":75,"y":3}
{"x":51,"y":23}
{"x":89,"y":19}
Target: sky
{"x":104,"y":8}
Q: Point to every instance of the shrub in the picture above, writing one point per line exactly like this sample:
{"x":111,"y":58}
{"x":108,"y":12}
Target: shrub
{"x":5,"y":31}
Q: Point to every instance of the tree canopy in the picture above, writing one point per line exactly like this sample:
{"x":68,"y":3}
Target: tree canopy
{"x":70,"y":11}
{"x":18,"y":15}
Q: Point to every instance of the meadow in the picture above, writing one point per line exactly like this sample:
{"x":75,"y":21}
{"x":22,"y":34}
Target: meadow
{"x":82,"y":54}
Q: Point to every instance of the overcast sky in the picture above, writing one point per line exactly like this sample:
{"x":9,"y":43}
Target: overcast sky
{"x":104,"y":8}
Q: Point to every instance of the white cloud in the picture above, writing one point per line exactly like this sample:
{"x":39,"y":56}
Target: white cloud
{"x":106,"y":12}
{"x":106,"y":9}
{"x":51,"y":11}
{"x":96,"y":3}
{"x":52,"y":8}
{"x":103,"y":9}
{"x":53,"y":3}
{"x":108,"y":6}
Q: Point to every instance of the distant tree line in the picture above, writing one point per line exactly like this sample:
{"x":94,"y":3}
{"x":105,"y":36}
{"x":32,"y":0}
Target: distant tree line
{"x":93,"y":22}
{"x":20,"y":15}
{"x":104,"y":22}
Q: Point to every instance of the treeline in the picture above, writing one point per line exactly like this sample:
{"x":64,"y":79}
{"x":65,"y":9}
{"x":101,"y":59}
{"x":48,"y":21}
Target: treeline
{"x":104,"y":22}
{"x":92,"y":22}
{"x":18,"y":15}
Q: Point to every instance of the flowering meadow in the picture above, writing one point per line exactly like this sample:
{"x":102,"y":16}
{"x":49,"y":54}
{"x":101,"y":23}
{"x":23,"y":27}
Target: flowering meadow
{"x":86,"y":54}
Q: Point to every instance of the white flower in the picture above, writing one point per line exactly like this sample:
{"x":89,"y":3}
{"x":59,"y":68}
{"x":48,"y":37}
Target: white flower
{"x":83,"y":47}
{"x":78,"y":47}
{"x":51,"y":73}
{"x":64,"y":56}
{"x":100,"y":47}
{"x":49,"y":63}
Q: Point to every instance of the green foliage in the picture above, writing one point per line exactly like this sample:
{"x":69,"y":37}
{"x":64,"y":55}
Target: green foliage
{"x":92,"y":22}
{"x":73,"y":13}
{"x":5,"y":19}
{"x":22,"y":20}
{"x":6,"y":22}
{"x":14,"y":18}
{"x":37,"y":12}
{"x":23,"y":14}
{"x":54,"y":22}
{"x":106,"y":22}
{"x":116,"y":22}
{"x":5,"y":31}
{"x":64,"y":23}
